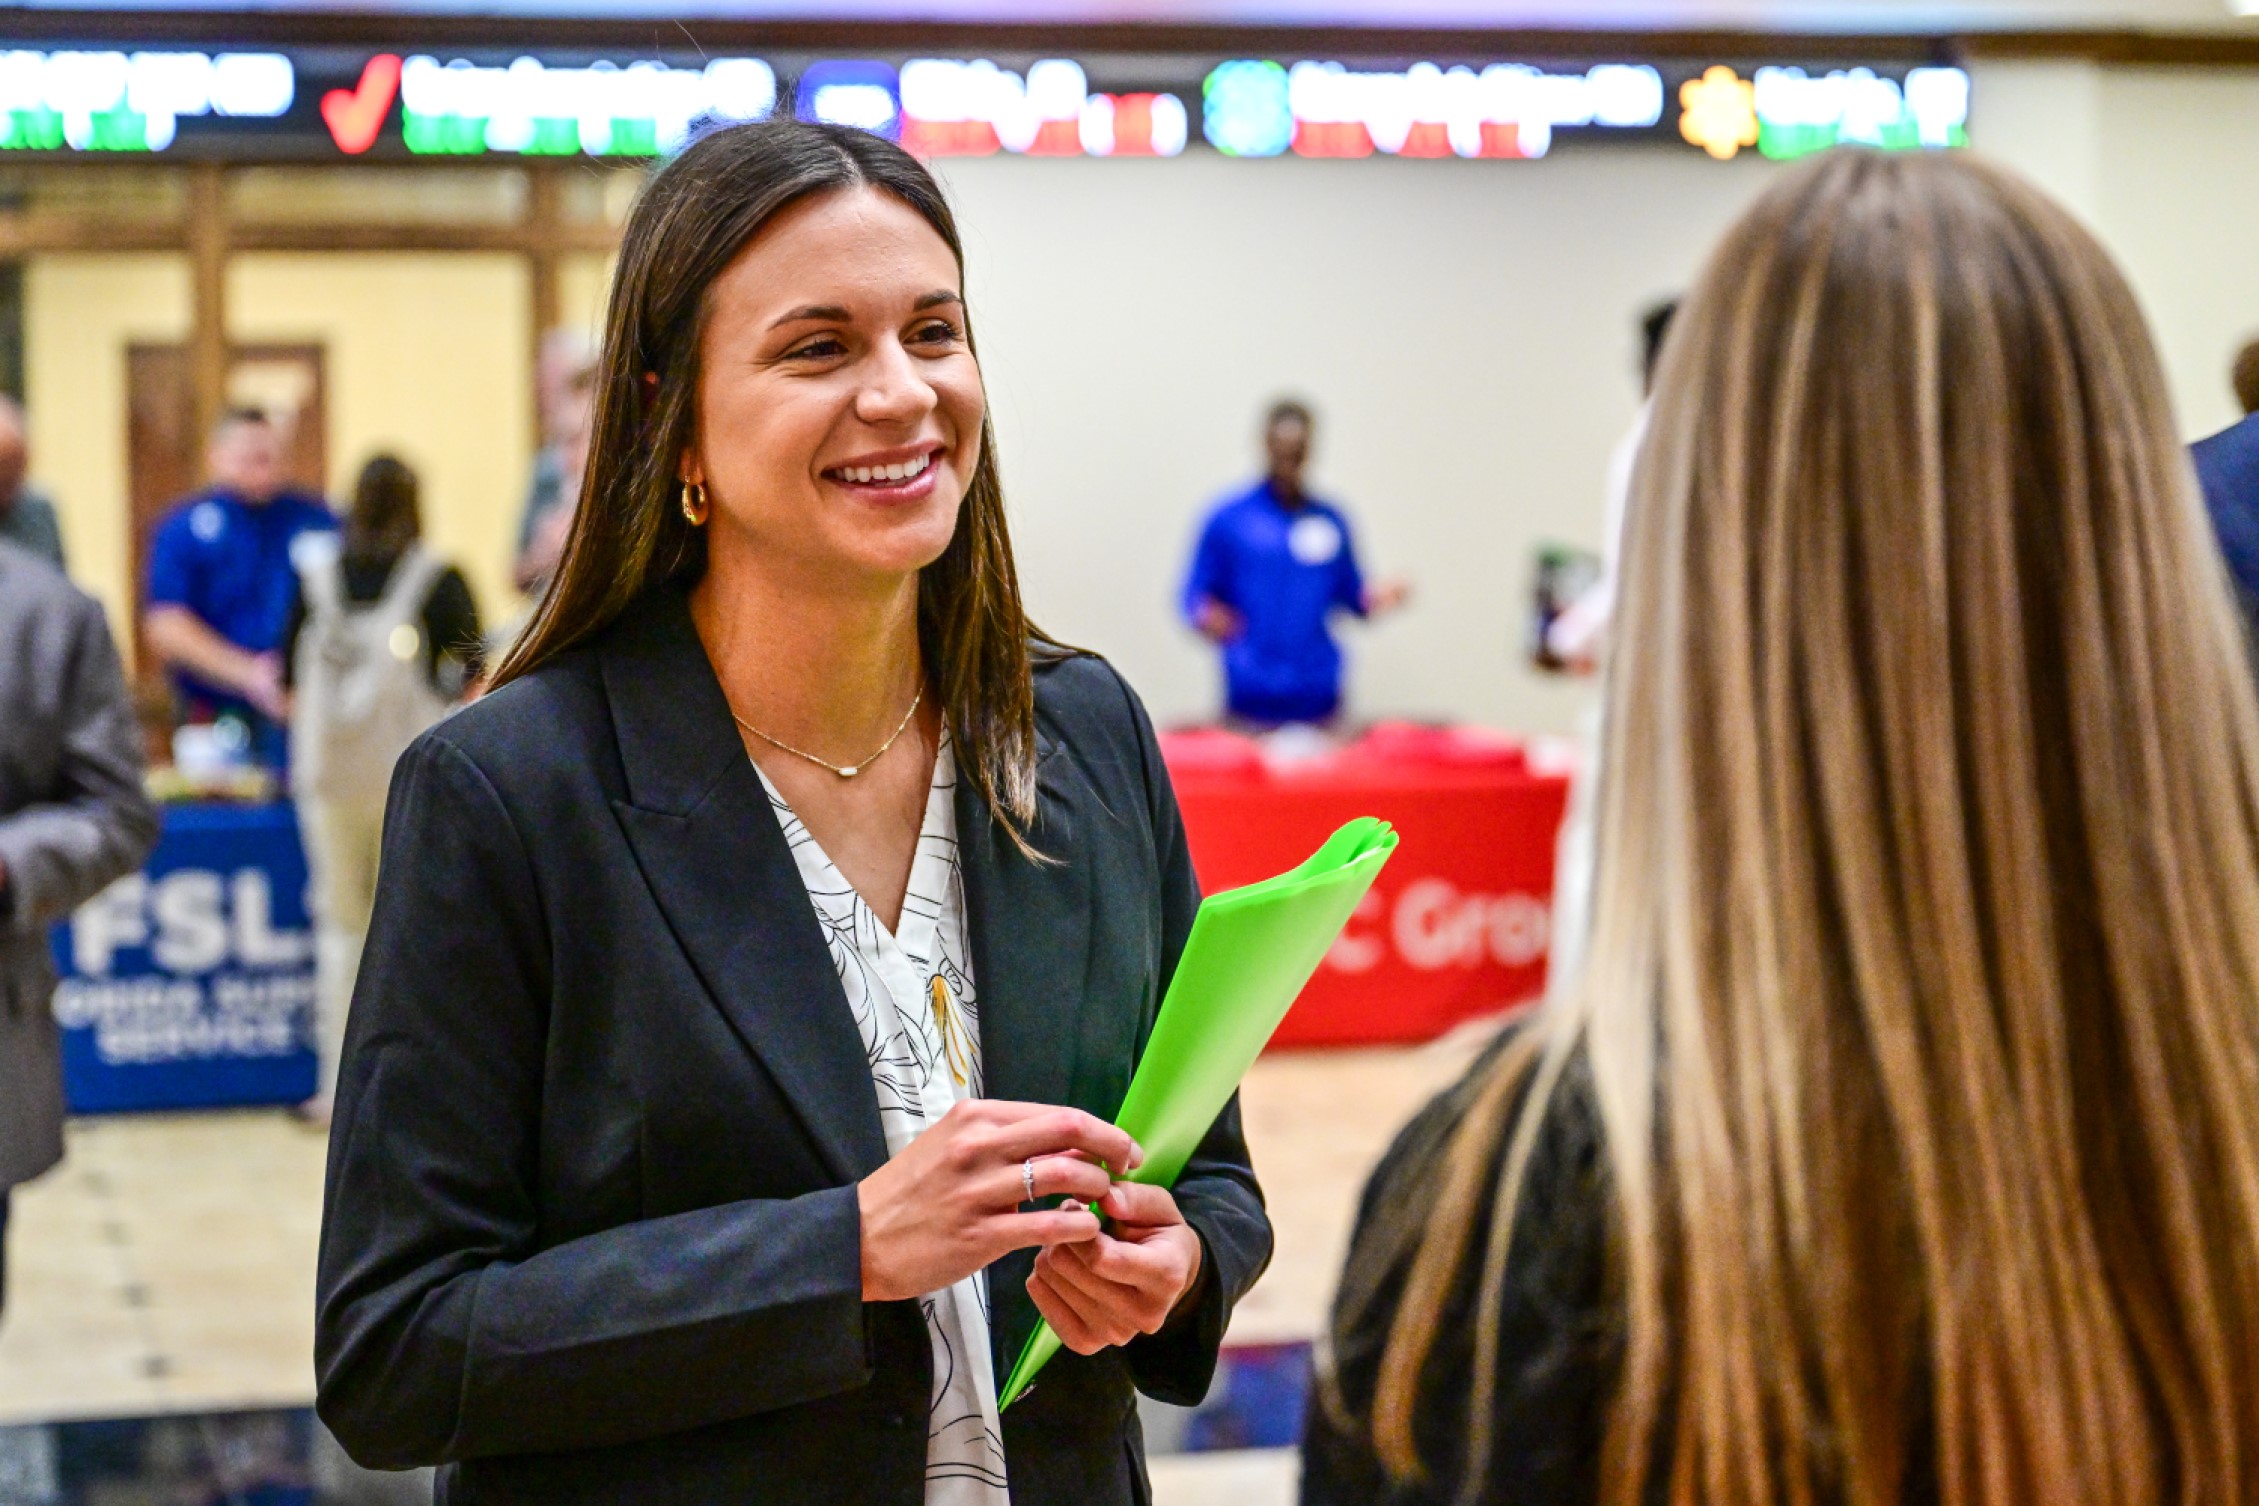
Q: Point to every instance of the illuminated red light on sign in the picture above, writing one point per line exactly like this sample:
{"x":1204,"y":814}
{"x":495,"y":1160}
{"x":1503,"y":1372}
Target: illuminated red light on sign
{"x":1504,"y":139}
{"x":1427,"y":138}
{"x":978,"y":138}
{"x":1332,"y":138}
{"x":1426,"y":110}
{"x":1146,"y":125}
{"x":949,"y":138}
{"x":354,"y":116}
{"x":1057,"y":138}
{"x":976,"y":109}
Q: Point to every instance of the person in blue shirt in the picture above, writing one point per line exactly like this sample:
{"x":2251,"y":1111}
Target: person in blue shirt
{"x":2228,"y":466}
{"x":1272,"y":567}
{"x":221,"y":582}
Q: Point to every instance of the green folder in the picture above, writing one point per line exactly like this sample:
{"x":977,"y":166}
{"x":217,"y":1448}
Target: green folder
{"x":1250,"y":952}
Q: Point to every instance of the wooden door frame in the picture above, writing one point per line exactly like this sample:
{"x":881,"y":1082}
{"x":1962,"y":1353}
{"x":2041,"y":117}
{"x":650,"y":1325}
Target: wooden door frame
{"x":542,"y":236}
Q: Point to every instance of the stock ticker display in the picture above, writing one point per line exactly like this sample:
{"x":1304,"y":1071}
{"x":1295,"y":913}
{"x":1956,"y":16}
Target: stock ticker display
{"x":408,"y":102}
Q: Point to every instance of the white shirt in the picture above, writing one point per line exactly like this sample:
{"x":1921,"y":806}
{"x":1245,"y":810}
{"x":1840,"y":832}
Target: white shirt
{"x":913,"y":999}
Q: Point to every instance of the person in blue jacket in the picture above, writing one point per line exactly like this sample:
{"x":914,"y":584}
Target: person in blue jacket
{"x":2227,"y":465}
{"x":1273,"y":565}
{"x":221,"y":582}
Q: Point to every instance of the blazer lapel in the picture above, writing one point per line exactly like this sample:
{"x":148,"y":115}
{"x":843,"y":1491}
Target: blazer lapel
{"x":710,"y":848}
{"x":1031,"y":926}
{"x":1031,"y":938}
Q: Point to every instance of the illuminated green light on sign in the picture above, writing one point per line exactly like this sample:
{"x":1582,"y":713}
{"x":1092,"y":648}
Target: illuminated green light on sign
{"x":635,"y":138}
{"x":1784,"y":142}
{"x":32,"y":131}
{"x":1798,"y":114}
{"x":112,"y":101}
{"x":119,"y":131}
{"x":605,"y":110}
{"x":463,"y":136}
{"x":554,"y":138}
{"x":105,"y":131}
{"x":443,"y":135}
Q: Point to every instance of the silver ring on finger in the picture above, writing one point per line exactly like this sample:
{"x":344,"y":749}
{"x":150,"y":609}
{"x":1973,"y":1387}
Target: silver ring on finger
{"x":1027,"y":1177}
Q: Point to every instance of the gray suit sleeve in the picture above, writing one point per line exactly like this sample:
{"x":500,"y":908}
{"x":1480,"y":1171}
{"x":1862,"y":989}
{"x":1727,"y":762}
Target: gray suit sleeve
{"x":98,"y":824}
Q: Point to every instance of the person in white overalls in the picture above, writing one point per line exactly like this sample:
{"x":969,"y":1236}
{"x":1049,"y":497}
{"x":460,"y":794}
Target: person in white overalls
{"x":383,"y":640}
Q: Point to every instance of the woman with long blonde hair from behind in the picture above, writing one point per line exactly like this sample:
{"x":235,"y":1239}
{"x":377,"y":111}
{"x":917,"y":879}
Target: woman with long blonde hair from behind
{"x":1901,"y":1139}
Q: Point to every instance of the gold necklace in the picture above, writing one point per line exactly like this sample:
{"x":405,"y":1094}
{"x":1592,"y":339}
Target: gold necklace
{"x":849,"y":771}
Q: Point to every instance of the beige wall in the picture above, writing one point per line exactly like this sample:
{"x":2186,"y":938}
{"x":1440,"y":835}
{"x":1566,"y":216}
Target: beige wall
{"x":2164,"y":164}
{"x":80,"y":314}
{"x":582,"y":283}
{"x":2179,"y":155}
{"x":429,"y":359}
{"x":1465,"y":329}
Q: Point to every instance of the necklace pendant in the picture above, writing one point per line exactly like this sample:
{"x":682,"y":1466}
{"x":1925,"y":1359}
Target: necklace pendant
{"x":852,"y":769}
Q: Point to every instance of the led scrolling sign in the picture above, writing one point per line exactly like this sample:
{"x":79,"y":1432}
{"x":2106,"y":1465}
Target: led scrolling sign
{"x":70,"y":101}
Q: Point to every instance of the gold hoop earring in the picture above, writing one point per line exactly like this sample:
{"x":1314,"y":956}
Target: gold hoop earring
{"x":694,"y":503}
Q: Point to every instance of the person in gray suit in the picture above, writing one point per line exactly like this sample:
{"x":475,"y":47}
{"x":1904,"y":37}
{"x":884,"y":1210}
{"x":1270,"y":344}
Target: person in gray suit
{"x":73,"y":817}
{"x":27,"y":518}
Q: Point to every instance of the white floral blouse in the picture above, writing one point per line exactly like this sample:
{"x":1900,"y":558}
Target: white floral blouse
{"x":913,"y":999}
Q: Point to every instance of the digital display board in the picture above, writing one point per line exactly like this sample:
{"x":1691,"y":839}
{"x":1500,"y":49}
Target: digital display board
{"x":334,"y":102}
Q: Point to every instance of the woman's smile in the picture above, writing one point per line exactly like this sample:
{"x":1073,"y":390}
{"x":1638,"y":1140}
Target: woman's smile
{"x":840,"y":407}
{"x":891,"y":477}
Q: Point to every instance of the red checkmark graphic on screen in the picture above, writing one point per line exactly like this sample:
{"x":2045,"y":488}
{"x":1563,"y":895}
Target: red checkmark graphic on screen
{"x":354,"y":116}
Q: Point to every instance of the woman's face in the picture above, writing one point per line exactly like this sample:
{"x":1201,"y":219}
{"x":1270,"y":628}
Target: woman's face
{"x":839,"y":405}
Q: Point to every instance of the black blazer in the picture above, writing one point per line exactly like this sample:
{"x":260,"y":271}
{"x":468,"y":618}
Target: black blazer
{"x":1561,"y":1338}
{"x":1559,"y":1344}
{"x":591,"y":1230}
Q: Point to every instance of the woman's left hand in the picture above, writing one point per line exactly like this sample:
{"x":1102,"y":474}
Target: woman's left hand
{"x":1128,"y":1281}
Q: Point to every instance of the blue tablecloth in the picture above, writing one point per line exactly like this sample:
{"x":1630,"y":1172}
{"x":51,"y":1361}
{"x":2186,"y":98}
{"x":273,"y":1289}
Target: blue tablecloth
{"x":191,"y":983}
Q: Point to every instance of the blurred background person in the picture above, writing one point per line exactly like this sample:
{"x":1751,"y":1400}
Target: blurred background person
{"x":1898,"y":1142}
{"x":544,"y":549}
{"x":27,"y":518}
{"x":564,"y":376}
{"x":1273,"y":565}
{"x":548,"y":527}
{"x":2228,"y":466}
{"x":221,"y":581}
{"x":1576,"y":637}
{"x":382,"y":638}
{"x":72,"y":818}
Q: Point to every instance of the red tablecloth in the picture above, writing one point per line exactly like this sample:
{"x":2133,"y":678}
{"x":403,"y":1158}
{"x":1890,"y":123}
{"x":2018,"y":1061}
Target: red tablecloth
{"x":1457,"y":925}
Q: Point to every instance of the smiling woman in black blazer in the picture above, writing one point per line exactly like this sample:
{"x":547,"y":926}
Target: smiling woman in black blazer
{"x":755,"y":971}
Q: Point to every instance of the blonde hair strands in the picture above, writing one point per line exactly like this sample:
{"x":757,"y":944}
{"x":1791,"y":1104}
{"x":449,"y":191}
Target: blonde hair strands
{"x":1922,"y":1016}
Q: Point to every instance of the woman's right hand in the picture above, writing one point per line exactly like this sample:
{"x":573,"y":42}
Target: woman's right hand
{"x":949,"y":1204}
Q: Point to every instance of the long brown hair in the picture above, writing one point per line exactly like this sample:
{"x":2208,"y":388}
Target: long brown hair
{"x":628,"y":534}
{"x":386,"y":515}
{"x":1922,"y":1010}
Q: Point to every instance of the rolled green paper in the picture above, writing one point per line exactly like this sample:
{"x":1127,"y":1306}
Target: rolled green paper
{"x":1250,"y":952}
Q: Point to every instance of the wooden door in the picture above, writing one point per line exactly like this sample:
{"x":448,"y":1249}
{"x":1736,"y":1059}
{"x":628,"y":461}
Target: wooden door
{"x":165,"y":454}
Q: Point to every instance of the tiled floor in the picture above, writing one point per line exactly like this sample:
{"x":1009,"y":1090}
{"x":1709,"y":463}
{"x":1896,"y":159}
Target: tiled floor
{"x":167,"y":1267}
{"x":1247,"y":1477}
